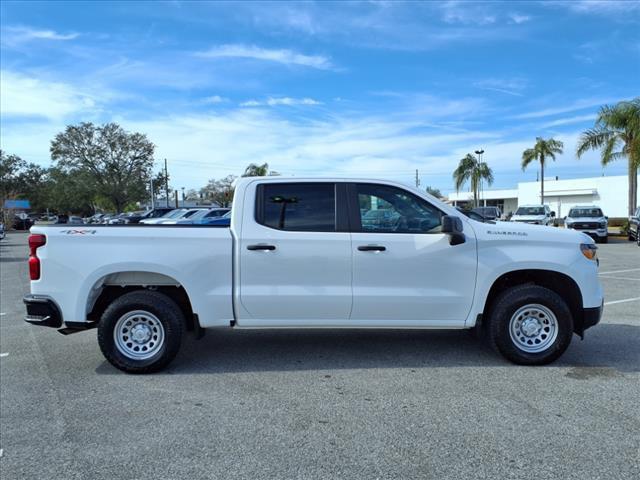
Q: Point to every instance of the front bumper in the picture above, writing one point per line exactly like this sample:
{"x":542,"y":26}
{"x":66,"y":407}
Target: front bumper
{"x":590,"y":317}
{"x":42,"y":310}
{"x":600,"y":232}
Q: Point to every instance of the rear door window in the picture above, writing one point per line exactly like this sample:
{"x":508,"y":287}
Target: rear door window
{"x":301,"y":207}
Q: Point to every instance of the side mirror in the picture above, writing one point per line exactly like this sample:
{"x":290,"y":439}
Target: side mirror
{"x":606,"y":217}
{"x":564,"y":218}
{"x":452,"y":226}
{"x":553,"y":214}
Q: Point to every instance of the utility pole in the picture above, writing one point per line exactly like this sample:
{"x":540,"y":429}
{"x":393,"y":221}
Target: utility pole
{"x":481,"y":189}
{"x":166,"y":181}
{"x":417,"y":179}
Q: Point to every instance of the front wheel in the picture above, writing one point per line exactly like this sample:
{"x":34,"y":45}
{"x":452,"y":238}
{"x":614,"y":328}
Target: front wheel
{"x":141,"y":331}
{"x":530,"y":325}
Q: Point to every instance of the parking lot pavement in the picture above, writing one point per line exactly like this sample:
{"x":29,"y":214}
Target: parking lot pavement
{"x":322,"y":404}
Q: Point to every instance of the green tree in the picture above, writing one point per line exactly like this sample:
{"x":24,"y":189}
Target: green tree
{"x":434,"y":191}
{"x":541,"y":151}
{"x":72,"y":192}
{"x":11,"y":168}
{"x":471,"y":170}
{"x":219,"y":191}
{"x":119,"y":163}
{"x":617,"y":135}
{"x":255,"y":170}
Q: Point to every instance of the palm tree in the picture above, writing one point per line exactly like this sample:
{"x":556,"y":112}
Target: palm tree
{"x":473,"y":171}
{"x":616,"y":134}
{"x":255,"y":170}
{"x":542,"y":150}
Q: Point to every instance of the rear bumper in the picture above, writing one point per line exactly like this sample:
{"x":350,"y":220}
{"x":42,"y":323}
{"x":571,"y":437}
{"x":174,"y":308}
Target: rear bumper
{"x":42,"y":310}
{"x":590,"y":317}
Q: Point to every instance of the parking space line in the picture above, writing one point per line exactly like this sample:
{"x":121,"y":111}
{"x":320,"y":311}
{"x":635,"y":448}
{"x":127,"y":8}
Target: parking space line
{"x":4,"y":355}
{"x":624,"y":300}
{"x":620,"y":271}
{"x":2,"y":314}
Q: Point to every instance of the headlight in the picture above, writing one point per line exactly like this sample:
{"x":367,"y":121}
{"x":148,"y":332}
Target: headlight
{"x":589,"y":250}
{"x":569,"y":225}
{"x":603,"y":224}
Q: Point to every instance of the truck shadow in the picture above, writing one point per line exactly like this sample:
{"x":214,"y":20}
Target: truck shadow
{"x":610,"y":349}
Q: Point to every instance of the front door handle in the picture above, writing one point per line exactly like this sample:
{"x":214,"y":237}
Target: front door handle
{"x":261,"y":246}
{"x":372,"y":248}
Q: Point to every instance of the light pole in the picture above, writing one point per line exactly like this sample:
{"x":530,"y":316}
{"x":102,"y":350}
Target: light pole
{"x":479,"y":153}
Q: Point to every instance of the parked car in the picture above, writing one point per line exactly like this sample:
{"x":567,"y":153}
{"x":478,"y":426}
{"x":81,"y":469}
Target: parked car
{"x":488,"y":213}
{"x":2,"y":234}
{"x":634,"y":229}
{"x":75,"y":221}
{"x":472,"y":215}
{"x":589,"y":219}
{"x":186,"y":214}
{"x":21,"y":221}
{"x":136,"y":217}
{"x":205,"y":214}
{"x":62,"y":218}
{"x":534,"y":214}
{"x":224,"y":220}
{"x":295,"y":255}
{"x":176,"y":212}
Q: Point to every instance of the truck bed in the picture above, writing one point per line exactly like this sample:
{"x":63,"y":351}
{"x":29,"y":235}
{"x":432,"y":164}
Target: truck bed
{"x":197,"y":258}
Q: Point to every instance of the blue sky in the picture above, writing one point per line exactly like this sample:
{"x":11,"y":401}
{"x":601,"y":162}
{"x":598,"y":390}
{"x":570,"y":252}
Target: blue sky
{"x":375,"y":89}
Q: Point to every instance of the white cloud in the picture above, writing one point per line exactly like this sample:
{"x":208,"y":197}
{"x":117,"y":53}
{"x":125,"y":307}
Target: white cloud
{"x":14,"y":35}
{"x":575,"y":106}
{"x":466,"y":13}
{"x":214,"y":99}
{"x":519,"y":18}
{"x":513,"y":86}
{"x":282,"y":56}
{"x":273,"y":101}
{"x":600,"y":6}
{"x":33,"y":97}
{"x":569,"y":120}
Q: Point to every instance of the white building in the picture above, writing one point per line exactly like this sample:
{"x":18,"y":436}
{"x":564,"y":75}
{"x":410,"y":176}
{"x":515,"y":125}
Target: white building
{"x":609,"y":193}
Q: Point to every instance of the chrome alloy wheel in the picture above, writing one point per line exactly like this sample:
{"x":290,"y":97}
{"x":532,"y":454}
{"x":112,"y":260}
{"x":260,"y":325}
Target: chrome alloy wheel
{"x":533,"y":328}
{"x":138,"y":335}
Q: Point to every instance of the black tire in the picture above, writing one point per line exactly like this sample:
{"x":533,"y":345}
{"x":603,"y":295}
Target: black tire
{"x":505,"y":307}
{"x":161,"y":308}
{"x":604,"y":239}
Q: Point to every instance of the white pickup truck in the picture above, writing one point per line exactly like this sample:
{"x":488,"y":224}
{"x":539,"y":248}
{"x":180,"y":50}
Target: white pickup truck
{"x":316,"y":253}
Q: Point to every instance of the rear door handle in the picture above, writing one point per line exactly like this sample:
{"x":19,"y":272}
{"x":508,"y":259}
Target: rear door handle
{"x":372,"y":248}
{"x":261,"y":246}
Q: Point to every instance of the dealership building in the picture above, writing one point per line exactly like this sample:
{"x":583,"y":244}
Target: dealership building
{"x":609,"y":193}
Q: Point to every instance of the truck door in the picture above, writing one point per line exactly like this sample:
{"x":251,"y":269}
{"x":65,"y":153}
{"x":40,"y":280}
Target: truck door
{"x":404,"y":269}
{"x":295,"y":256}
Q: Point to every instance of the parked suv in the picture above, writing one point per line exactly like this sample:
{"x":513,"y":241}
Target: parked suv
{"x":590,"y":220}
{"x":634,"y":229}
{"x":489,"y":213}
{"x":534,"y":214}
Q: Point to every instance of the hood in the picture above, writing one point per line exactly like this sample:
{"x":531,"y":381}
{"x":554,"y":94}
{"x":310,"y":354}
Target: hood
{"x":526,"y":218}
{"x":585,"y":219}
{"x":519,"y":232}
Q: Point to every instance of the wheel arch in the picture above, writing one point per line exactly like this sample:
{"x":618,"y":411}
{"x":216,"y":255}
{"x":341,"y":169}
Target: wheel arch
{"x":558,"y":282}
{"x":113,"y":285}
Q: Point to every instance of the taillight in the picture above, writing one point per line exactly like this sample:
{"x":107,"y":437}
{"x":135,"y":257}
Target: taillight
{"x":35,"y":241}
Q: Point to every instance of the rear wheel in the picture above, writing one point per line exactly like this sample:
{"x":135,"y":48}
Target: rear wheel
{"x":141,"y":331}
{"x":530,"y":325}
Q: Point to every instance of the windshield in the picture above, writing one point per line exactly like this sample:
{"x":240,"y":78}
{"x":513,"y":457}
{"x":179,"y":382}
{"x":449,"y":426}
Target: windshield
{"x":585,"y":212}
{"x":173,"y":213}
{"x":530,"y":211}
